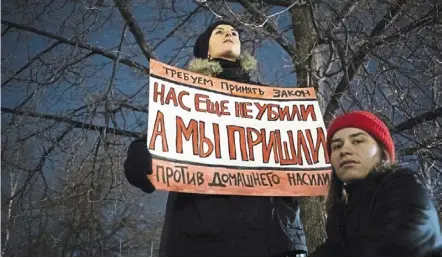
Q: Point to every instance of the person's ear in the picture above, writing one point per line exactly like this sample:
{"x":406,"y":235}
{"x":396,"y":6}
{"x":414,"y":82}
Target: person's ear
{"x":385,"y":158}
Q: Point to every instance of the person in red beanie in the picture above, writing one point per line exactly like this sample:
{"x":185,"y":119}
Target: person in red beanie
{"x":375,"y":207}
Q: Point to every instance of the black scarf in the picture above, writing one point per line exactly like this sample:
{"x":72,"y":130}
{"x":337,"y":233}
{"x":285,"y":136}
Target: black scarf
{"x":232,"y":71}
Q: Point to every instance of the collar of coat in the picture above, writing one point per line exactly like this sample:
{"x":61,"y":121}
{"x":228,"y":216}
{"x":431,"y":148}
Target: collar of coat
{"x":212,"y":68}
{"x":377,"y":175}
{"x":383,"y":169}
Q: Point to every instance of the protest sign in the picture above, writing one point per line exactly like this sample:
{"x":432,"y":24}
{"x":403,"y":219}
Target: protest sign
{"x":214,"y":136}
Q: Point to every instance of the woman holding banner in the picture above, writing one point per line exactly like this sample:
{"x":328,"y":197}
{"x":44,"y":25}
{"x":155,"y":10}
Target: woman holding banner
{"x":221,"y":225}
{"x":375,"y":207}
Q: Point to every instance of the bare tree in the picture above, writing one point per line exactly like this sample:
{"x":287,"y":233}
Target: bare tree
{"x":75,"y":77}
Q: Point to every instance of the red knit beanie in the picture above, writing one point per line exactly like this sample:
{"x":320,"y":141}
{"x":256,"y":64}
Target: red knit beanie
{"x":365,"y":121}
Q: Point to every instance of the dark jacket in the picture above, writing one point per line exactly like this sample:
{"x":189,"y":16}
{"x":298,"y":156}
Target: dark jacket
{"x":387,"y":214}
{"x":222,"y":225}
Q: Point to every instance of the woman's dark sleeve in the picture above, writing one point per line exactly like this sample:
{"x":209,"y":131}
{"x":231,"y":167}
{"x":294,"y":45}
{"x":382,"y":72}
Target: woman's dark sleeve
{"x":288,"y":213}
{"x":405,"y":221}
{"x":138,"y":165}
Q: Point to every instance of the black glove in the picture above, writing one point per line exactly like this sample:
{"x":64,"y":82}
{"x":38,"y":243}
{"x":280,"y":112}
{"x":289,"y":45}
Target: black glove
{"x":138,"y":165}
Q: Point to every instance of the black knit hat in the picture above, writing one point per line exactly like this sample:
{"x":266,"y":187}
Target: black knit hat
{"x":202,"y":42}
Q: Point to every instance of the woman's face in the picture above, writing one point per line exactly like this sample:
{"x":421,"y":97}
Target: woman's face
{"x":224,"y":43}
{"x":354,"y":153}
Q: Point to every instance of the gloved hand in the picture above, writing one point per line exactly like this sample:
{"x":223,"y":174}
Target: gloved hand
{"x":138,"y":165}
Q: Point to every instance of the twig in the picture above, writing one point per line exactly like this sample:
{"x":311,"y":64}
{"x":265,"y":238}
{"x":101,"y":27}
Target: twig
{"x":75,"y":43}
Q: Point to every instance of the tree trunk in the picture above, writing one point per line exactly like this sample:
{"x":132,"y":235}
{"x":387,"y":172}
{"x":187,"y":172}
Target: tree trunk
{"x":309,"y":58}
{"x":313,"y":217}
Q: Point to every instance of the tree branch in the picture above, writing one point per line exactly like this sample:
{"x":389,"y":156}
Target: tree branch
{"x":197,"y":9}
{"x":345,"y":12}
{"x":270,"y":27}
{"x":367,"y":47}
{"x":6,"y":30}
{"x":412,"y":122}
{"x":282,"y":3}
{"x":389,"y":18}
{"x":134,"y":108}
{"x":430,"y":149}
{"x":135,"y":29}
{"x":75,"y":124}
{"x":74,"y":43}
{"x":42,"y":53}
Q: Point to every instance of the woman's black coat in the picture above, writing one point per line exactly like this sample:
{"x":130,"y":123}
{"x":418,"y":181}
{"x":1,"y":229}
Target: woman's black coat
{"x":387,"y":214}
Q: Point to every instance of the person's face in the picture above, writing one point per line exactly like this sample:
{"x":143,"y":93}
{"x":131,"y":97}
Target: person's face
{"x":224,"y":43}
{"x":354,"y":153}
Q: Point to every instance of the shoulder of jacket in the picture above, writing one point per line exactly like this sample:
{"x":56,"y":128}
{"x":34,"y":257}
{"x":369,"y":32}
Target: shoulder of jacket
{"x":401,"y":175}
{"x":403,"y":184}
